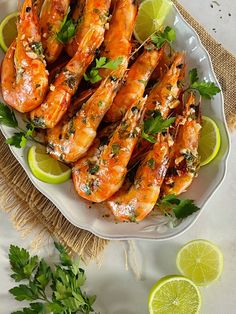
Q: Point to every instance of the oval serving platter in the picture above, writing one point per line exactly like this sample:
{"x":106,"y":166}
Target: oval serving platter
{"x":92,"y":217}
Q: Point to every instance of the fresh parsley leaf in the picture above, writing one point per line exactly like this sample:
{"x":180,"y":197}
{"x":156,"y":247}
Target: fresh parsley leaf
{"x":185,"y":208}
{"x":101,"y":63}
{"x":35,"y":308}
{"x":24,"y":292}
{"x":193,"y":75}
{"x":113,"y":64}
{"x":160,"y":38}
{"x":181,"y":208}
{"x":155,"y":124}
{"x":65,"y":281}
{"x":206,"y":89}
{"x":18,"y":140}
{"x":68,"y":29}
{"x":43,"y":274}
{"x":7,"y":116}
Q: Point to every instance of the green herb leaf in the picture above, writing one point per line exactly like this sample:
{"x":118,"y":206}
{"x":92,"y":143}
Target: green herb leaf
{"x":160,"y":38}
{"x":115,"y":148}
{"x":43,"y":274}
{"x":7,"y":116}
{"x":193,"y":75}
{"x":181,"y":208}
{"x":37,"y":48}
{"x":66,"y":280}
{"x":18,"y":140}
{"x":206,"y":89}
{"x":101,"y":63}
{"x":154,"y":125}
{"x":67,"y":31}
{"x":24,"y":292}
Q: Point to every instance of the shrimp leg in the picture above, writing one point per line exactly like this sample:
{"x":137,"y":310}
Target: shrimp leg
{"x":136,"y":203}
{"x":70,"y":142}
{"x":98,"y":177}
{"x":24,"y":78}
{"x":59,"y":97}
{"x":184,"y":156}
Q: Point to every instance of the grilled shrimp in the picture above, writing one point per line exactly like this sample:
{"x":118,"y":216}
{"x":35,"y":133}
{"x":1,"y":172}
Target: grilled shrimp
{"x":101,"y":172}
{"x":71,"y":141}
{"x":184,"y":156}
{"x":136,"y":203}
{"x":52,"y":15}
{"x":59,"y":97}
{"x":135,"y":84}
{"x":24,"y":77}
{"x":163,"y":97}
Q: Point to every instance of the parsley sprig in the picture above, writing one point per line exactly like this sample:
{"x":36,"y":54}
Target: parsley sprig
{"x":155,"y":124}
{"x":101,"y":63}
{"x":206,"y":89}
{"x":54,"y":289}
{"x":19,"y":139}
{"x":167,"y":36}
{"x":68,"y":29}
{"x":181,"y":208}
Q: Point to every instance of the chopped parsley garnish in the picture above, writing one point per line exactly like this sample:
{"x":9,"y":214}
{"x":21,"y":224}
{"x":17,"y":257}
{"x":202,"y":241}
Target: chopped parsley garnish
{"x":93,"y":169}
{"x":37,"y":48}
{"x":151,"y":163}
{"x":101,"y":63}
{"x":206,"y":89}
{"x":115,"y":148}
{"x":160,"y":38}
{"x":155,"y":124}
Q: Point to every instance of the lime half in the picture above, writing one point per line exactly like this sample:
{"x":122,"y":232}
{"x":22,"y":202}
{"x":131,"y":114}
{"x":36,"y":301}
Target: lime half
{"x":201,"y":261}
{"x":151,"y":16}
{"x":45,"y":168}
{"x":174,"y":294}
{"x":8,"y":30}
{"x":210,"y":141}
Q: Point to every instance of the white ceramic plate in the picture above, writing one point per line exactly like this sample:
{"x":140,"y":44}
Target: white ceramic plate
{"x":77,"y":210}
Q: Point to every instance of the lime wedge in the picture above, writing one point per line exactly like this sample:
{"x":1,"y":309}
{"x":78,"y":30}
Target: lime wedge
{"x":210,"y":140}
{"x":201,"y":261}
{"x":151,"y":16}
{"x":174,"y":294}
{"x":8,"y":30}
{"x":45,"y":168}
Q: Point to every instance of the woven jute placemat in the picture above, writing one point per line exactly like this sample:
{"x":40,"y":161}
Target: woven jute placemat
{"x":30,"y":209}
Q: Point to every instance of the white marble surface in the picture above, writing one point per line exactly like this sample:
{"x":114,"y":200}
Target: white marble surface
{"x":118,"y":290}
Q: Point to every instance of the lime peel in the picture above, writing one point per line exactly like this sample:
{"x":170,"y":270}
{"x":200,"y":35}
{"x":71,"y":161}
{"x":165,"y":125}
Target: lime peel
{"x":8,"y":30}
{"x":151,"y":17}
{"x":45,"y":168}
{"x":210,"y":141}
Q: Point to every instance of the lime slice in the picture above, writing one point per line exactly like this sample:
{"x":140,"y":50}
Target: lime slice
{"x":174,"y":294}
{"x":151,"y":16}
{"x":210,"y":140}
{"x":201,"y":261}
{"x":45,"y":168}
{"x":8,"y":31}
